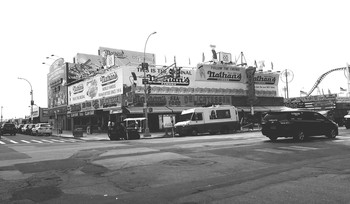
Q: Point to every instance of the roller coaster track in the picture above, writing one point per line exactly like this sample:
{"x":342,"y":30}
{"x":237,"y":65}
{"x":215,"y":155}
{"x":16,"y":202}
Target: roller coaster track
{"x":319,"y":80}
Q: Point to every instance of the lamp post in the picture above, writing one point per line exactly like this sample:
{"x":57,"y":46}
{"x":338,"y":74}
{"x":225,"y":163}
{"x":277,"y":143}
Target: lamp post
{"x":144,"y":67}
{"x":1,"y":113}
{"x":31,"y":101}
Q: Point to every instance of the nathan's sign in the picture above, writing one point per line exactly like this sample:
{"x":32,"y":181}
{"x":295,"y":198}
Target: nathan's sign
{"x":219,"y":73}
{"x":265,"y":79}
{"x":171,"y":81}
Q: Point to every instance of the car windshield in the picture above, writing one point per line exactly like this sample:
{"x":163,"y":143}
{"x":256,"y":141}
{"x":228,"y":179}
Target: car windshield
{"x":186,"y":117}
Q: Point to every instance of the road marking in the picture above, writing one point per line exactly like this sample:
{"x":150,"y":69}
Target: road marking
{"x":2,"y":142}
{"x":57,"y":140}
{"x":274,"y":151}
{"x":73,"y":140}
{"x":37,"y":141}
{"x":48,"y":141}
{"x":25,"y":141}
{"x":298,"y":148}
{"x":13,"y":141}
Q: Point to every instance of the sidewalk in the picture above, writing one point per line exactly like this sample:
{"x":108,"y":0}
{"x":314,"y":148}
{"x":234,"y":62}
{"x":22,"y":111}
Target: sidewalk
{"x":104,"y":136}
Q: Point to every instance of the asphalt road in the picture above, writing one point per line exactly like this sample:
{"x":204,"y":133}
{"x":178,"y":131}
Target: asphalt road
{"x":232,"y":168}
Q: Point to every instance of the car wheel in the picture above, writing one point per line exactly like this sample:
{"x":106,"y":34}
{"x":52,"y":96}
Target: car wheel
{"x":273,"y":138}
{"x":332,"y":134}
{"x":300,"y":136}
{"x":194,"y":132}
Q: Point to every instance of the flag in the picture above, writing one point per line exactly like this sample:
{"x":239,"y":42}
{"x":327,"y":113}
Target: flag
{"x":342,"y":89}
{"x":303,"y":92}
{"x":329,"y":92}
{"x":165,"y":59}
{"x":189,"y":61}
{"x":256,"y":65}
{"x":203,"y":57}
{"x":271,"y":66}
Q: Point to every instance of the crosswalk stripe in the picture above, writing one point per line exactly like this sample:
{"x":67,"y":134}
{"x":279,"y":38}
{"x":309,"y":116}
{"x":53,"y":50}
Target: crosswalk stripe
{"x":57,"y":140}
{"x":2,"y":142}
{"x":275,"y":151}
{"x":37,"y":141}
{"x":48,"y":141}
{"x":13,"y":141}
{"x":25,"y":141}
{"x":72,"y":140}
{"x":298,"y":148}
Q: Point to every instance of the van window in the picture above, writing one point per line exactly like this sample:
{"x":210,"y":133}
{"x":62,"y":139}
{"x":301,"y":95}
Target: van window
{"x":223,"y":114}
{"x":212,"y":115}
{"x":197,"y":116}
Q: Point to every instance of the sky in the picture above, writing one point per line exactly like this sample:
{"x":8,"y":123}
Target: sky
{"x":308,"y":38}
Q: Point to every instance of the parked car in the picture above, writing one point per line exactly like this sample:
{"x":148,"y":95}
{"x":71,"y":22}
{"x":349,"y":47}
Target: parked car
{"x":42,"y":129}
{"x":19,"y":128}
{"x":8,"y":128}
{"x":347,"y":121}
{"x":297,"y":124}
{"x":27,"y":129}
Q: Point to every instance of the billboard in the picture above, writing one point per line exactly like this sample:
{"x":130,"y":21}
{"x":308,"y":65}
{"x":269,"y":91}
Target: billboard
{"x":56,"y":84}
{"x":86,"y":66}
{"x":100,"y":86}
{"x":118,"y":57}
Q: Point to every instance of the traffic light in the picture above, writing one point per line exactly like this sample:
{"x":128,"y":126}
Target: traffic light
{"x":172,"y":72}
{"x":144,"y":66}
{"x":178,"y":73}
{"x":149,"y":89}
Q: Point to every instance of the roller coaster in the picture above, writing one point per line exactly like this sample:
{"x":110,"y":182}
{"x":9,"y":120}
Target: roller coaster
{"x":319,"y":80}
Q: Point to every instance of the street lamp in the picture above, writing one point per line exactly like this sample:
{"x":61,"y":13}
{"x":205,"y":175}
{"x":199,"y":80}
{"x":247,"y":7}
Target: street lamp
{"x":1,"y":113}
{"x":144,"y":67}
{"x":31,"y":102}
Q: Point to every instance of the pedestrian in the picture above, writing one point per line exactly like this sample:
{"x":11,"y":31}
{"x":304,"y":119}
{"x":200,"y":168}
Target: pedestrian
{"x":109,"y":128}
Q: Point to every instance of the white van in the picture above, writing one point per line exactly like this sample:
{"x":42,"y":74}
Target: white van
{"x":213,"y":119}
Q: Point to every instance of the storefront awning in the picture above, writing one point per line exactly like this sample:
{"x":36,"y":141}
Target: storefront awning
{"x":261,"y":108}
{"x":139,"y":110}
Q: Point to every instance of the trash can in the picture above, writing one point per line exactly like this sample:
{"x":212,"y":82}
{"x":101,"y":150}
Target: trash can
{"x":133,"y":134}
{"x":78,"y":132}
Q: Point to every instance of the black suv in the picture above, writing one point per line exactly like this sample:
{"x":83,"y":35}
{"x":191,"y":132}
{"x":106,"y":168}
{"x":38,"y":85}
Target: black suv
{"x":8,"y":128}
{"x":297,"y":124}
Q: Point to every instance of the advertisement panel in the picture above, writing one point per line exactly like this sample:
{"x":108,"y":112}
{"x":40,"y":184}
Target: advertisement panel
{"x":86,"y":66}
{"x":220,"y":73}
{"x":118,"y":57}
{"x":100,"y":86}
{"x":161,"y":80}
{"x":56,"y":84}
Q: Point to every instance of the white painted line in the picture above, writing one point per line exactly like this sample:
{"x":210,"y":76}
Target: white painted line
{"x":13,"y":141}
{"x":47,"y":141}
{"x":57,"y":140}
{"x":37,"y":141}
{"x":298,"y":148}
{"x":274,"y":151}
{"x":25,"y":141}
{"x":2,"y":142}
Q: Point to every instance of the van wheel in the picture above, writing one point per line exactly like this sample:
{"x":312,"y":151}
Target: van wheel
{"x":273,"y":138}
{"x":224,"y":130}
{"x":332,"y":134}
{"x":300,"y":136}
{"x":194,"y":132}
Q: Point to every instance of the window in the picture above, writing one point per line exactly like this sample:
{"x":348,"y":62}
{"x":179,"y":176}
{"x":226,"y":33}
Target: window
{"x":308,"y":116}
{"x":223,"y":114}
{"x":197,"y":116}
{"x":212,"y":115}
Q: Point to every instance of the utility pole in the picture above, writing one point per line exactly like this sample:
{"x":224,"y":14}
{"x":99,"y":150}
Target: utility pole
{"x":145,"y":68}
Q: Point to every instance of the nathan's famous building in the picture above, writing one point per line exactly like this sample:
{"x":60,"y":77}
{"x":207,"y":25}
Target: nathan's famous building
{"x":109,"y":86}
